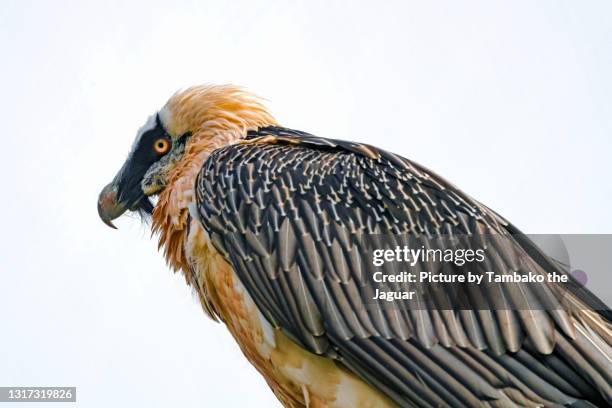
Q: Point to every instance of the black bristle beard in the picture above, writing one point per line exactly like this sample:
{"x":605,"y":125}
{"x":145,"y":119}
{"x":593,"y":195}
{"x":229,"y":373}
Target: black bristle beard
{"x":144,"y":208}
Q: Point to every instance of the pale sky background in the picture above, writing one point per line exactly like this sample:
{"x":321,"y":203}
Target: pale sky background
{"x":510,"y":100}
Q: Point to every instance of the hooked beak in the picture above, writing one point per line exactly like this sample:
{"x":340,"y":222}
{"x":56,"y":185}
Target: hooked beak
{"x":109,"y":207}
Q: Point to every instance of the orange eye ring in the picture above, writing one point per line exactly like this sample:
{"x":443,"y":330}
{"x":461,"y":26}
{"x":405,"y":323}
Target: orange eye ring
{"x":161,"y":146}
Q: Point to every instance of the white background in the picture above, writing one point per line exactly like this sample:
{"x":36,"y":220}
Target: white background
{"x":510,"y":100}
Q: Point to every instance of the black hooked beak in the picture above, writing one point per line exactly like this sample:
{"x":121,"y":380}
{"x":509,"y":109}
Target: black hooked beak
{"x":120,"y":195}
{"x":109,"y":207}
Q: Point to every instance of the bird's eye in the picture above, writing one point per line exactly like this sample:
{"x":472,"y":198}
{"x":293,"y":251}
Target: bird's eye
{"x":161,"y":146}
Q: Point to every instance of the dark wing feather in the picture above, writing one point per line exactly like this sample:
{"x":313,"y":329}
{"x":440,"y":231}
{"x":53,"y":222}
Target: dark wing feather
{"x":294,"y":213}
